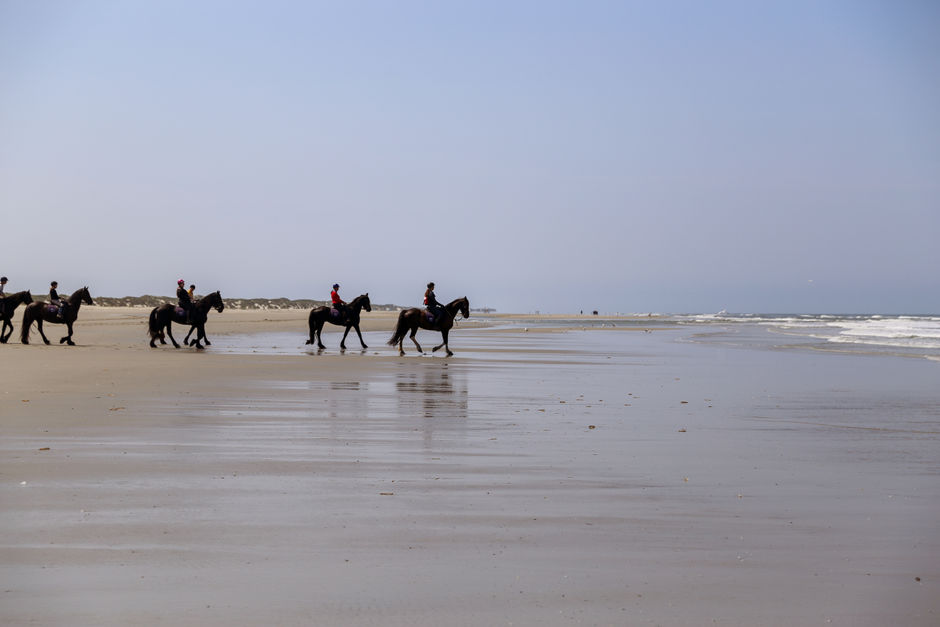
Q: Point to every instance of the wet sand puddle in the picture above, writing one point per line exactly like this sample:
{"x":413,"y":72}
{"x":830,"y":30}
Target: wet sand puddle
{"x":531,"y":476}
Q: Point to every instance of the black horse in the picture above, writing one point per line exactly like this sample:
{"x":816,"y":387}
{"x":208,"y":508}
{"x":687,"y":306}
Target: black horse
{"x":165,"y":315}
{"x":412,"y":319}
{"x":42,"y":311}
{"x":10,"y":303}
{"x":348,"y":318}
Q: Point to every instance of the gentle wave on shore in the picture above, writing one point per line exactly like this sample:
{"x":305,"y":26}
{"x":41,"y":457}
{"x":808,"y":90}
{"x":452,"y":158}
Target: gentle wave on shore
{"x":900,"y":335}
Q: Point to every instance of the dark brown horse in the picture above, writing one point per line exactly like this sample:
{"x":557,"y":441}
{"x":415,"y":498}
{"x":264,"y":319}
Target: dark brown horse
{"x":412,"y":319}
{"x":165,"y":315}
{"x":41,"y":311}
{"x":10,"y":303}
{"x":348,"y":318}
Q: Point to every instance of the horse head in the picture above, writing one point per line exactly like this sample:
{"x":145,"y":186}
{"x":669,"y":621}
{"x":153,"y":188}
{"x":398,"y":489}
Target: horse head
{"x":28,"y":297}
{"x":82,"y":295}
{"x":463,"y":305}
{"x":366,"y":303}
{"x":216,"y":300}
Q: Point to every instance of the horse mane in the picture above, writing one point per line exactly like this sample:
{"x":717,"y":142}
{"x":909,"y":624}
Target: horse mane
{"x":77,"y":295}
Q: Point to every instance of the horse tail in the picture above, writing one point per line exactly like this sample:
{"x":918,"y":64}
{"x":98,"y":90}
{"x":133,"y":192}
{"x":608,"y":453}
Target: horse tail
{"x":154,"y":326}
{"x":401,"y":329}
{"x":27,"y":323}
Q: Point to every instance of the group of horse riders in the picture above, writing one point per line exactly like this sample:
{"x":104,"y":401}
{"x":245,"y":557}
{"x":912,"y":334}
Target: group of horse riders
{"x":185,"y":299}
{"x":435,"y":317}
{"x":60,"y":304}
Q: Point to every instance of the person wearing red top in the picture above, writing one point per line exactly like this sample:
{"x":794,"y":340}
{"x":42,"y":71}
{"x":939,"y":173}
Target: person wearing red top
{"x":338,"y":303}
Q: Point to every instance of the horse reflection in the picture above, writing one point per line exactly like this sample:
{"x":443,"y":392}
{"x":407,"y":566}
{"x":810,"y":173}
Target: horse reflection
{"x":434,"y":393}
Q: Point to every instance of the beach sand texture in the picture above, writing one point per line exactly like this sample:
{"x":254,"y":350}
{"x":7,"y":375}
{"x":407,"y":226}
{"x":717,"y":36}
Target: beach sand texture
{"x":595,"y":477}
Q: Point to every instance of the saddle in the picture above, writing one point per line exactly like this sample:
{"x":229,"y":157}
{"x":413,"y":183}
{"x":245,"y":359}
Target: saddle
{"x":182,"y":313}
{"x":335,"y":313}
{"x":53,"y":310}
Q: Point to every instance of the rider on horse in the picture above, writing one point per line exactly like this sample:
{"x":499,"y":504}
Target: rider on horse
{"x":338,"y":303}
{"x":185,"y":298}
{"x":3,"y":297}
{"x":430,"y":301}
{"x":61,"y":305}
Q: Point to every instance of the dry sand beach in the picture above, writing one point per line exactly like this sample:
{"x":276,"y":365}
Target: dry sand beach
{"x":544,"y":475}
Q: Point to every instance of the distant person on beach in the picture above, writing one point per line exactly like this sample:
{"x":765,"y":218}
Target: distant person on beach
{"x":55,"y":300}
{"x":338,"y":303}
{"x":430,"y":301}
{"x":185,"y":300}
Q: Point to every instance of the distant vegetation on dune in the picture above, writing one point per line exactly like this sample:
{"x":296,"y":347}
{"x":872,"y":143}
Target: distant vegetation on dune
{"x":235,"y":303}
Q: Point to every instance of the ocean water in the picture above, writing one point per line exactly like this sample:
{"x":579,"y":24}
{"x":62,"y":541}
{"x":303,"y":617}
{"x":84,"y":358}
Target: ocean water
{"x":911,"y":336}
{"x":898,"y":335}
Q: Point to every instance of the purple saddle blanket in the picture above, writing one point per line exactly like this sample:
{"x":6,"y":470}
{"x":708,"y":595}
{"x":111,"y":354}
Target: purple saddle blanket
{"x":52,"y":310}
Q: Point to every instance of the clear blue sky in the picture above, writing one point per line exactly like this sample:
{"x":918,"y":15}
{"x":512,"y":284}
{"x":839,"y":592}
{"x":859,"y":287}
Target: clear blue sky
{"x":554,"y":156}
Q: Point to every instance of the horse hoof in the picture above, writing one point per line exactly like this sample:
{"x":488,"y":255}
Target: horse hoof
{"x":308,"y":342}
{"x":200,"y":347}
{"x":70,"y":343}
{"x":47,"y":342}
{"x":62,"y":341}
{"x":364,"y":347}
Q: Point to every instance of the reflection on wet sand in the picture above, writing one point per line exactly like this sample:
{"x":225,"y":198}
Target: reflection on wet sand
{"x":432,"y":391}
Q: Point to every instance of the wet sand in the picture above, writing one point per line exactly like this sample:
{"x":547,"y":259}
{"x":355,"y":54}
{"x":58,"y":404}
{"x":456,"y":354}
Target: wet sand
{"x":598,"y":477}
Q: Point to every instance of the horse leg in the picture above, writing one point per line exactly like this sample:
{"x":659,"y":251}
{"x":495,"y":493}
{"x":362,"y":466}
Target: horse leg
{"x":342,"y":343}
{"x":414,"y":332}
{"x":4,"y":336}
{"x":169,"y":331}
{"x":68,"y":338}
{"x":39,"y":326}
{"x":320,"y":325}
{"x":199,"y":335}
{"x":159,"y":335}
{"x":313,"y":331}
{"x":186,"y":339}
{"x":444,"y":333}
{"x":359,"y":333}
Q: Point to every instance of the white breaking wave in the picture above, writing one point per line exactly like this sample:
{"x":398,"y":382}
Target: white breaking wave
{"x":902,"y":331}
{"x":908,"y":332}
